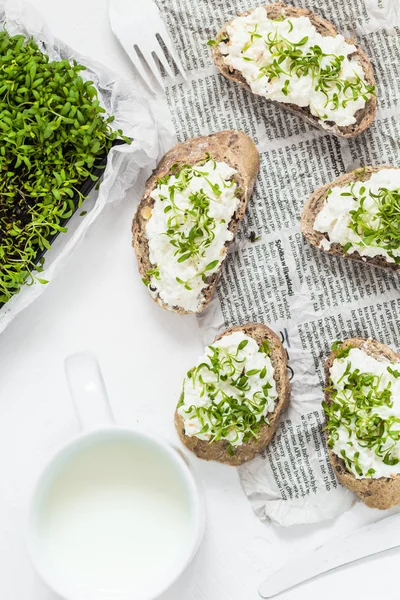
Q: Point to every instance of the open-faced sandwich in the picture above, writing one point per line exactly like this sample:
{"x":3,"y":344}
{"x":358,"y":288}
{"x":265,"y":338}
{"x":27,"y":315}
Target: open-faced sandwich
{"x":233,"y":397}
{"x":357,"y":216}
{"x":189,"y":214}
{"x":295,"y":58}
{"x":362,"y":408}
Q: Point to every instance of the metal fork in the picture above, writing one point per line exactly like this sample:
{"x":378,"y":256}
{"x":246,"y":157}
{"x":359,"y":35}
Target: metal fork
{"x":140,"y":29}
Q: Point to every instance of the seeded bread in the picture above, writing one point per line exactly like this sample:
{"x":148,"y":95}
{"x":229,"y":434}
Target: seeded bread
{"x":247,"y":451}
{"x":315,"y":204}
{"x":233,"y":147}
{"x":376,"y":493}
{"x":364,"y":116}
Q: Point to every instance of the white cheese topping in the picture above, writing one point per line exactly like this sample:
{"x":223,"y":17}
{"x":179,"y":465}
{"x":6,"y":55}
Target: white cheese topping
{"x":364,"y":425}
{"x":188,"y":230}
{"x":289,"y":61}
{"x":229,"y":392}
{"x":362,"y":216}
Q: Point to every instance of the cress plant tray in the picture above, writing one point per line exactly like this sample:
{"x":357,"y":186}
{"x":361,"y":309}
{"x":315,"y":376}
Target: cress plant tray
{"x":54,"y":142}
{"x":85,"y":189}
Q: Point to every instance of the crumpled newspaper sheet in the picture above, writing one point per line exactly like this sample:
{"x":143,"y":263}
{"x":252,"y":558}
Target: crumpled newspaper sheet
{"x":277,"y":278}
{"x":133,"y":109}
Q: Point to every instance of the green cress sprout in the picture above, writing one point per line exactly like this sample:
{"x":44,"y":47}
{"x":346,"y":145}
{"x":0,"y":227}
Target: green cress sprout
{"x":239,"y":412}
{"x":385,"y":232}
{"x":222,"y":39}
{"x":53,"y":133}
{"x":354,"y":408}
{"x":195,"y":242}
{"x":289,"y":58}
{"x":339,"y":349}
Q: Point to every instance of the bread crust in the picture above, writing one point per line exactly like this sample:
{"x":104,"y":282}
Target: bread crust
{"x":315,"y":204}
{"x":218,"y":450}
{"x":364,"y":116}
{"x":383,"y":492}
{"x":235,"y":148}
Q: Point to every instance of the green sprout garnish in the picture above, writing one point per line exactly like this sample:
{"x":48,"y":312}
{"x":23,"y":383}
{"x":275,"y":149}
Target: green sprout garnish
{"x":290,"y":59}
{"x":149,"y":274}
{"x":339,"y":350}
{"x":355,"y":407}
{"x":234,"y":412}
{"x":253,"y":36}
{"x":223,"y":38}
{"x":191,"y":242}
{"x":203,"y":274}
{"x":380,"y":229}
{"x":265,"y":347}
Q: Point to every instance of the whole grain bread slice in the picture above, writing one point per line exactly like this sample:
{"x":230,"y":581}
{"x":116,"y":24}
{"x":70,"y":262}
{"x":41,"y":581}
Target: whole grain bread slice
{"x":233,"y":147}
{"x":383,"y":492}
{"x":218,"y":450}
{"x":364,"y":116}
{"x":315,"y":204}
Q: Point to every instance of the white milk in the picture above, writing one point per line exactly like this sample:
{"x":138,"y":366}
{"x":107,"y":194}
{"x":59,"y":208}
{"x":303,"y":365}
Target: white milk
{"x":115,"y":516}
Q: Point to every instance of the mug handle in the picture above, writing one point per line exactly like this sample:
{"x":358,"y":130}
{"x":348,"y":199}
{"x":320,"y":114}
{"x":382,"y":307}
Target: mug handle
{"x":88,"y":391}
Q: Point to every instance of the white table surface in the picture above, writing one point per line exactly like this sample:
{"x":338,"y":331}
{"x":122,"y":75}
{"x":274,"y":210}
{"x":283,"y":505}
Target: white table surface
{"x":99,"y":303}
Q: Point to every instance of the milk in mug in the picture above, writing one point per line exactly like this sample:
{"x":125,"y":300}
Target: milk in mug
{"x":115,"y":516}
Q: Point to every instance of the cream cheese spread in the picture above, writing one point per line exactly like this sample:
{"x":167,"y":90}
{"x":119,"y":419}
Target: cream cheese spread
{"x":364,"y":216}
{"x":364,"y":417}
{"x":188,"y":230}
{"x":288,"y":61}
{"x":230,"y":391}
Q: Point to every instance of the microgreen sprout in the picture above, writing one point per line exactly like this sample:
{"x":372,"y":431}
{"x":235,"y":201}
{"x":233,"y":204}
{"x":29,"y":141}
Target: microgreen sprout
{"x":236,"y":408}
{"x":253,"y":36}
{"x":149,"y":274}
{"x":222,"y":39}
{"x":53,"y":133}
{"x":339,"y":350}
{"x":294,"y":60}
{"x":359,"y":403}
{"x":265,"y":348}
{"x":191,"y":227}
{"x":203,"y":274}
{"x":380,"y":228}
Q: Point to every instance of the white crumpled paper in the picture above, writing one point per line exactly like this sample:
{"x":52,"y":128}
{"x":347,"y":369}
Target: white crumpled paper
{"x":133,"y":111}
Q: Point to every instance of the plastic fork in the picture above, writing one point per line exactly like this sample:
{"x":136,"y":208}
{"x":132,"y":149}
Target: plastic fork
{"x":140,"y":29}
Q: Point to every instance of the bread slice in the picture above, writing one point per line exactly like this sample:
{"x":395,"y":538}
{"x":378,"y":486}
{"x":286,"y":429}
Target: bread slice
{"x":376,"y":493}
{"x":364,"y":116}
{"x":233,"y":147}
{"x":218,"y":450}
{"x":315,"y":204}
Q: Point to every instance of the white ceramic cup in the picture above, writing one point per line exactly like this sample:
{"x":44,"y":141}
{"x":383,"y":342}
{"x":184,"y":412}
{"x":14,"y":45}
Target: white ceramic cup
{"x":62,"y":547}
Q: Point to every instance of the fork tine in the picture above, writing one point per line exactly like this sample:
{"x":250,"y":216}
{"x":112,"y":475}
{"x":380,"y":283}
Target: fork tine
{"x":153,"y":66}
{"x":163,"y":61}
{"x":168,"y":44}
{"x":137,"y":63}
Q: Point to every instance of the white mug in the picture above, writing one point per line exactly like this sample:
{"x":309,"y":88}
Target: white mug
{"x":116,"y":514}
